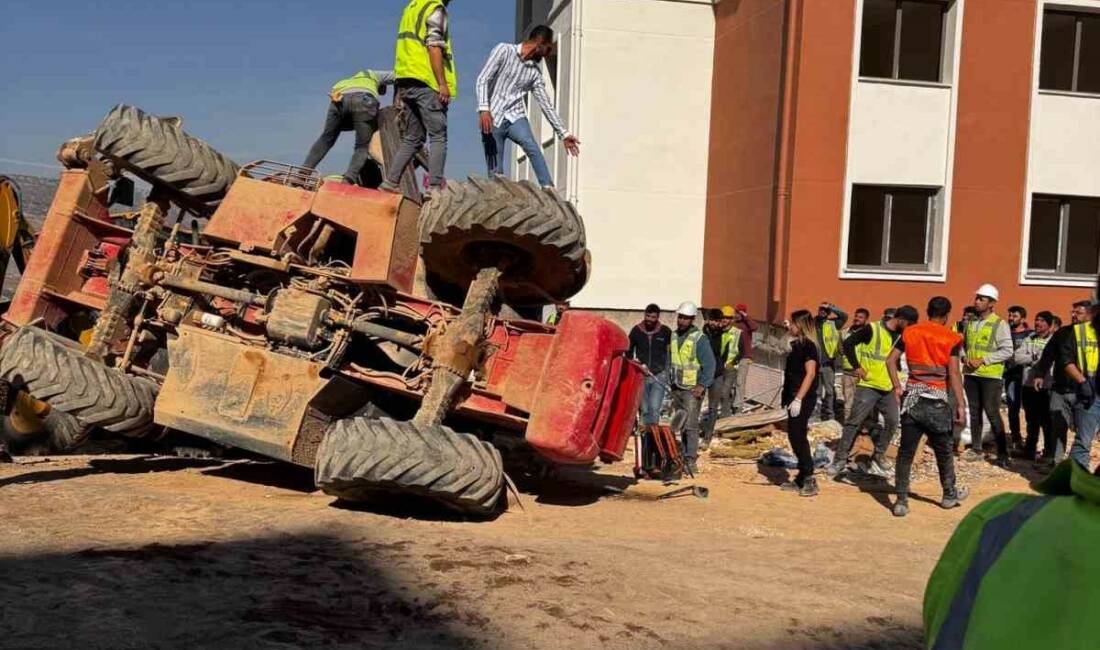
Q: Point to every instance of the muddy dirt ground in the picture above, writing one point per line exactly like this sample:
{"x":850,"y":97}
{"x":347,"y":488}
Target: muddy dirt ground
{"x":144,"y":552}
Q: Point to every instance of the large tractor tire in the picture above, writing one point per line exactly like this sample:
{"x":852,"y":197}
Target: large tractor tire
{"x":360,"y":457}
{"x":160,"y":152}
{"x":72,"y":384}
{"x":485,"y":222}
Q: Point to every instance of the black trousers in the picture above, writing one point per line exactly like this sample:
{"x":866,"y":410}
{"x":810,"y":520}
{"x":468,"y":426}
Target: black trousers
{"x":984,"y":395}
{"x":355,"y":112}
{"x":1014,"y":382}
{"x":930,"y":418}
{"x":798,"y":434}
{"x":1037,"y":413}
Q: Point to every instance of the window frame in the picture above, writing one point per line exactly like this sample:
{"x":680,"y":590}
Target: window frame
{"x":1059,"y":272}
{"x":1078,"y":14}
{"x":934,"y":218}
{"x":941,"y":76}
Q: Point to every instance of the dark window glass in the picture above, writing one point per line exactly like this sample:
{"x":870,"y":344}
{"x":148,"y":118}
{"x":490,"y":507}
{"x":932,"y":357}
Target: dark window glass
{"x":876,"y":54}
{"x":908,"y":227}
{"x":921,"y":41}
{"x":1083,"y":240}
{"x":1088,"y":65}
{"x":1046,"y":215}
{"x":1056,"y":57}
{"x":552,"y":70}
{"x":865,"y":226}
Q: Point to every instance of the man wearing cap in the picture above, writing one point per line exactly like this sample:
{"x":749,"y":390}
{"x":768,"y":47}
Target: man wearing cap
{"x":691,"y":362}
{"x":987,"y":346}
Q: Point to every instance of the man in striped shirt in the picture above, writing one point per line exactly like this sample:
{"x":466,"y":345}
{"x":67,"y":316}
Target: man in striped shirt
{"x":511,"y":72}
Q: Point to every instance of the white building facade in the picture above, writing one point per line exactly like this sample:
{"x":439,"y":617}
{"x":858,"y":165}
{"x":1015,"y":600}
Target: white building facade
{"x":632,"y":80}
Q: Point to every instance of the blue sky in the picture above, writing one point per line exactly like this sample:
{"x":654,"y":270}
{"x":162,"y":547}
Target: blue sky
{"x":249,"y":76}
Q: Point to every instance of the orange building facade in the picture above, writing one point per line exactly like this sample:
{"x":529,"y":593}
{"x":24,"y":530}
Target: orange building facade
{"x":878,"y":152}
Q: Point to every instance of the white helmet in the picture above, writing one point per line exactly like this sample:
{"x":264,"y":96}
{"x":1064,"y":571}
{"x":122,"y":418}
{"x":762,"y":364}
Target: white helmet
{"x":989,"y":291}
{"x":687,"y":309}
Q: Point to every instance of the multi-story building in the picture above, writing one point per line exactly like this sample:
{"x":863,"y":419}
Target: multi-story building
{"x":870,"y":152}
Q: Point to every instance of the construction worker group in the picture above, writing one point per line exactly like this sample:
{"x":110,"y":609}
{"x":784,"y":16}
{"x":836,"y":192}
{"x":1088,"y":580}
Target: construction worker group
{"x":912,"y":373}
{"x":426,"y":84}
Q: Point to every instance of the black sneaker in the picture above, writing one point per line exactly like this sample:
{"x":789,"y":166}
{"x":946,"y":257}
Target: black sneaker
{"x":1003,"y":462}
{"x":901,"y":508}
{"x":955,"y":501}
{"x":809,"y":488}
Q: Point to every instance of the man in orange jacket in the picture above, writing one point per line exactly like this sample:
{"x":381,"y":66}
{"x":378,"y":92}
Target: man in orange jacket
{"x":932,"y":351}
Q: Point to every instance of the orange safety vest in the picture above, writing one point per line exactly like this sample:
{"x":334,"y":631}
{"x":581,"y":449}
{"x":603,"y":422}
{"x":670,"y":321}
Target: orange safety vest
{"x":928,"y":348}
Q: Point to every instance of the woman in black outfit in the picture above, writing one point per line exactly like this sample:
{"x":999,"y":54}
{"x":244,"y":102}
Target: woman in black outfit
{"x":799,"y":398}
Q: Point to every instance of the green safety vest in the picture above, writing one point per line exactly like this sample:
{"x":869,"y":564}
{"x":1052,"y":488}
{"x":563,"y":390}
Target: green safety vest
{"x":1088,"y":357}
{"x":981,"y":339}
{"x":872,"y":358}
{"x":685,"y":362}
{"x":411,"y":60}
{"x":362,"y":81}
{"x":731,"y":346}
{"x":1020,"y":571}
{"x":831,"y":338}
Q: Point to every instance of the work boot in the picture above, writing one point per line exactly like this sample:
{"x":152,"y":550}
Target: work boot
{"x":955,"y":500}
{"x":971,"y":456}
{"x":809,"y":488}
{"x":1003,"y":461}
{"x":387,"y":186}
{"x":901,"y":508}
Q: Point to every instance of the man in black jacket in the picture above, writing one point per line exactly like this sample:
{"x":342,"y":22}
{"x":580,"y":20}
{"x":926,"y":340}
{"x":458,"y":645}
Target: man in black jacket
{"x":1062,"y":393}
{"x":649,"y":341}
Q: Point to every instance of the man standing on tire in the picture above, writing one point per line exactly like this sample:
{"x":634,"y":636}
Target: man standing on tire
{"x":354,"y":107}
{"x":426,"y":83}
{"x":511,"y":72}
{"x":987,"y":345}
{"x":692,"y":364}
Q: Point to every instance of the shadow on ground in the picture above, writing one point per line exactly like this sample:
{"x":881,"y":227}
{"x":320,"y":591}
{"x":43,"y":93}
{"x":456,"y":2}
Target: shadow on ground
{"x":284,"y":591}
{"x":136,"y":465}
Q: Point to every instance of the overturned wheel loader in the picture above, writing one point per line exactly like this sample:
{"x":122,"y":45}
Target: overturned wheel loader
{"x":262,"y":308}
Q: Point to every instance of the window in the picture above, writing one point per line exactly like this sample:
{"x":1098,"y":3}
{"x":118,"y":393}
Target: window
{"x":902,"y":39}
{"x":1065,"y":236}
{"x":1070,"y":58}
{"x":891,"y":228}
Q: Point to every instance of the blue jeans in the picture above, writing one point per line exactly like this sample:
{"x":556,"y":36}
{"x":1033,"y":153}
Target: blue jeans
{"x":520,"y":133}
{"x":653,"y":397}
{"x":1086,"y":421}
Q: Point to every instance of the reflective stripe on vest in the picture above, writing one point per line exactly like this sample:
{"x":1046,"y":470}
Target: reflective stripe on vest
{"x":981,"y":339}
{"x":685,"y":363}
{"x":830,"y":337}
{"x":412,"y":60}
{"x":1088,"y":357}
{"x":928,"y":348}
{"x":731,"y":346}
{"x":995,"y":537}
{"x":362,"y":81}
{"x":872,"y":358}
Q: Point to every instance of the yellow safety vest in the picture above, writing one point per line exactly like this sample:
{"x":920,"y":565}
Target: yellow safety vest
{"x":731,"y":346}
{"x":872,"y":358}
{"x":830,"y":337}
{"x":1088,"y":356}
{"x":411,"y":60}
{"x":685,"y":363}
{"x":981,"y":339}
{"x":362,"y":81}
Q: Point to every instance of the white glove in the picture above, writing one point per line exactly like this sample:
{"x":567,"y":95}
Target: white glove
{"x":794,"y":408}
